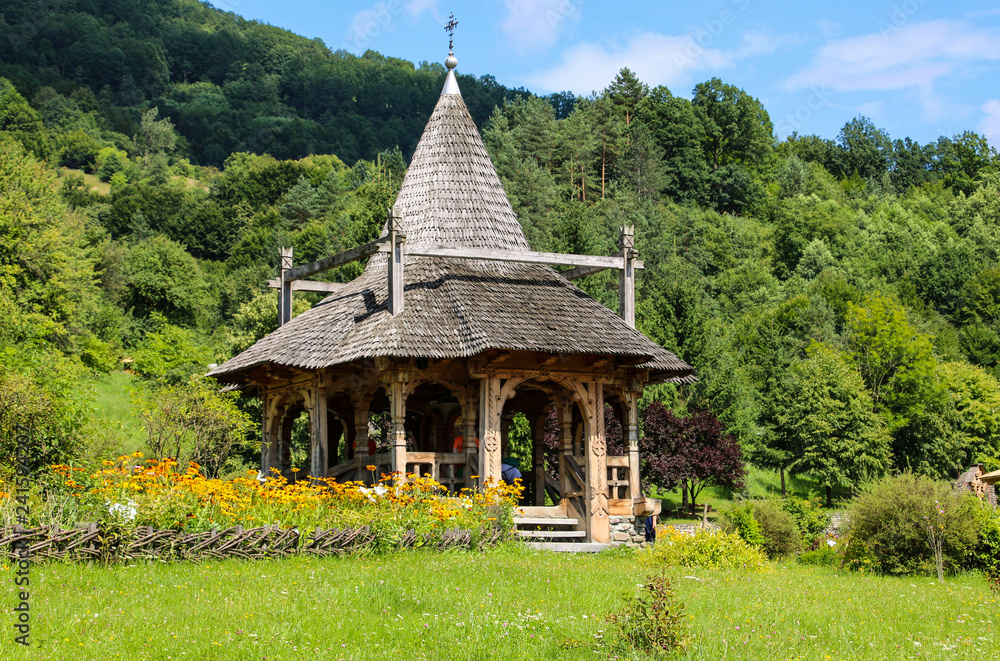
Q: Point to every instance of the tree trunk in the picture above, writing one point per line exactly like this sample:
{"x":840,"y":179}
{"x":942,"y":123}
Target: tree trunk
{"x":781,"y":471}
{"x":829,"y":496}
{"x":684,"y":494}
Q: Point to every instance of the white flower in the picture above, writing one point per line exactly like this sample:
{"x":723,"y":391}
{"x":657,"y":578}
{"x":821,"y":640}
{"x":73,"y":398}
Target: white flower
{"x":831,"y":542}
{"x":380,"y":490}
{"x":127,"y":512}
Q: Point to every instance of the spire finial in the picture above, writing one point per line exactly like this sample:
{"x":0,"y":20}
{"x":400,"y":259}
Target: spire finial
{"x":450,"y":29}
{"x":450,"y":62}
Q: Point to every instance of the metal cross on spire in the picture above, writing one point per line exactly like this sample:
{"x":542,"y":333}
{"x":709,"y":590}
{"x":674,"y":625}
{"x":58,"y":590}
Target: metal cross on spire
{"x":450,"y":29}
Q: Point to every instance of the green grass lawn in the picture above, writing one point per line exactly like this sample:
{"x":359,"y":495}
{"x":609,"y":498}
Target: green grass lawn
{"x":115,"y":428}
{"x":510,"y":603}
{"x":760,"y":483}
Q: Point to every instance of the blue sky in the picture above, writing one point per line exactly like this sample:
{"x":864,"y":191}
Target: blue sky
{"x":917,"y":68}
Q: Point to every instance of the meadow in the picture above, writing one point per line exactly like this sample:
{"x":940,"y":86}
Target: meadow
{"x":506,"y":603}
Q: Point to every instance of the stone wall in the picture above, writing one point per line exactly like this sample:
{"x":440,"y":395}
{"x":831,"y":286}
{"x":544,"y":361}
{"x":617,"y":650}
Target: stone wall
{"x":628,"y":531}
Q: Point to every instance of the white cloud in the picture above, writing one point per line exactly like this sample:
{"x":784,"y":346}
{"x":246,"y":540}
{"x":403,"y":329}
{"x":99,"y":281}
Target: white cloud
{"x":911,"y":57}
{"x":657,"y":59}
{"x":534,"y":25}
{"x":828,"y":28}
{"x":417,"y":8}
{"x":369,"y":24}
{"x":990,"y":124}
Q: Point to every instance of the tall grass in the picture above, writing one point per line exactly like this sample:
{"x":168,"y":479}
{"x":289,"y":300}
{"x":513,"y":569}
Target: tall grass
{"x":511,"y":603}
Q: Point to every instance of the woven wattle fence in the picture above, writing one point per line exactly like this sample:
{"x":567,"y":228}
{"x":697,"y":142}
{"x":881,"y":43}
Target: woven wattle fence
{"x":146,"y":543}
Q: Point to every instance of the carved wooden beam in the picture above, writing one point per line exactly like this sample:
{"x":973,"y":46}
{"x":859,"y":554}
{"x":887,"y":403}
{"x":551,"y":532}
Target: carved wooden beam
{"x":521,"y":256}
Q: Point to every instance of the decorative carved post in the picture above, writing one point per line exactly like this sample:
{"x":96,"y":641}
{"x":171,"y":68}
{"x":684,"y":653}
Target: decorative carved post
{"x":565,"y":412}
{"x":361,"y":410}
{"x":469,"y":436}
{"x":285,"y":292}
{"x":537,"y":445}
{"x":270,"y":435}
{"x":285,"y":444}
{"x":396,"y":242}
{"x":490,"y":411}
{"x":319,"y":434}
{"x":632,"y":434}
{"x":626,"y":277}
{"x":596,"y":454}
{"x":397,"y":400}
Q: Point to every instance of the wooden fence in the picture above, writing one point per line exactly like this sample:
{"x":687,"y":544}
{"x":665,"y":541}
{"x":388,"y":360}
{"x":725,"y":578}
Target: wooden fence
{"x":120,"y":544}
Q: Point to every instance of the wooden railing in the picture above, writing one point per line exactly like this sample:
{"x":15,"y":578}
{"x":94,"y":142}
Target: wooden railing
{"x":447,"y":468}
{"x":619,"y":477}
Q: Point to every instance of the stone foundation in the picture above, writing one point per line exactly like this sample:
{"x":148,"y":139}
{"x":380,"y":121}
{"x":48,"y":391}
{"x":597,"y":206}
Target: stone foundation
{"x":625,"y":531}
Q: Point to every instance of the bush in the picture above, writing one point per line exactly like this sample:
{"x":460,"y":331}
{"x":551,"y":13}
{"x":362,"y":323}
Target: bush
{"x":825,"y":556}
{"x":653,"y":622}
{"x":888,"y":523}
{"x":781,"y":536}
{"x":706,"y":549}
{"x":809,"y":515}
{"x":740,"y":519}
{"x":985,"y":555}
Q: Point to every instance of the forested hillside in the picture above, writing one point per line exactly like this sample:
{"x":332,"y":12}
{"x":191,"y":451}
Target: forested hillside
{"x":839,"y":296}
{"x":227,"y":84}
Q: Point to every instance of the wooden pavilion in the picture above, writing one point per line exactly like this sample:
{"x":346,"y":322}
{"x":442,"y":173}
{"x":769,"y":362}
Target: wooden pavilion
{"x":455,"y":325}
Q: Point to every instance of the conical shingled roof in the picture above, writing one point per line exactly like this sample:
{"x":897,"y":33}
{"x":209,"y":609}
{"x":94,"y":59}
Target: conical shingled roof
{"x":453,"y":308}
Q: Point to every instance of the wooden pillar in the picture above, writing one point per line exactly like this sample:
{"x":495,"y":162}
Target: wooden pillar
{"x":285,"y":291}
{"x":626,"y":277}
{"x":319,"y":449}
{"x":469,"y":436}
{"x":490,"y":412}
{"x":632,"y":434}
{"x":397,"y":400}
{"x":270,"y":432}
{"x":396,"y":283}
{"x":538,"y":455}
{"x":360,"y":440}
{"x":565,"y":411}
{"x":285,"y":444}
{"x":596,"y":457}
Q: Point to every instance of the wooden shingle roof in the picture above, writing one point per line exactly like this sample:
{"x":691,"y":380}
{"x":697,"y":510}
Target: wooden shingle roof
{"x":455,"y":308}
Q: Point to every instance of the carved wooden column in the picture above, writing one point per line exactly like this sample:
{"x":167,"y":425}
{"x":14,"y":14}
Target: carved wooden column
{"x":285,"y":444}
{"x":632,"y":435}
{"x":596,"y":457}
{"x":626,"y":276}
{"x":360,"y":440}
{"x":564,"y":408}
{"x":319,"y":449}
{"x":270,"y":434}
{"x":397,"y":401}
{"x":538,"y":456}
{"x":469,"y":436}
{"x":397,"y":242}
{"x":490,"y":411}
{"x":285,"y":291}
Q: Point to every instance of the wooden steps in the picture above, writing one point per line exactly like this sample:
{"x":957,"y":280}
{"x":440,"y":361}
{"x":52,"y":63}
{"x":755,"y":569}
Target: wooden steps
{"x":544,"y":521}
{"x":553,"y":534}
{"x":568,"y":547}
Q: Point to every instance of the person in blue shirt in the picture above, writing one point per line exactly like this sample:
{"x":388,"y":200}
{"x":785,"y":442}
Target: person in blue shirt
{"x":510,"y":470}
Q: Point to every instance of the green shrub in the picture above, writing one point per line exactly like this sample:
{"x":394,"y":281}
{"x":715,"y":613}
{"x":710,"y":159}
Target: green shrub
{"x":706,"y":549}
{"x":810,"y":517}
{"x":652,"y":622}
{"x":985,"y":555}
{"x":888,"y":522}
{"x":781,"y":536}
{"x":824,"y":556}
{"x":740,"y":519}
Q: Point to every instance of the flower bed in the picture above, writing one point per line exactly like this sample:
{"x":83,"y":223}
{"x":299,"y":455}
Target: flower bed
{"x":131,"y":495}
